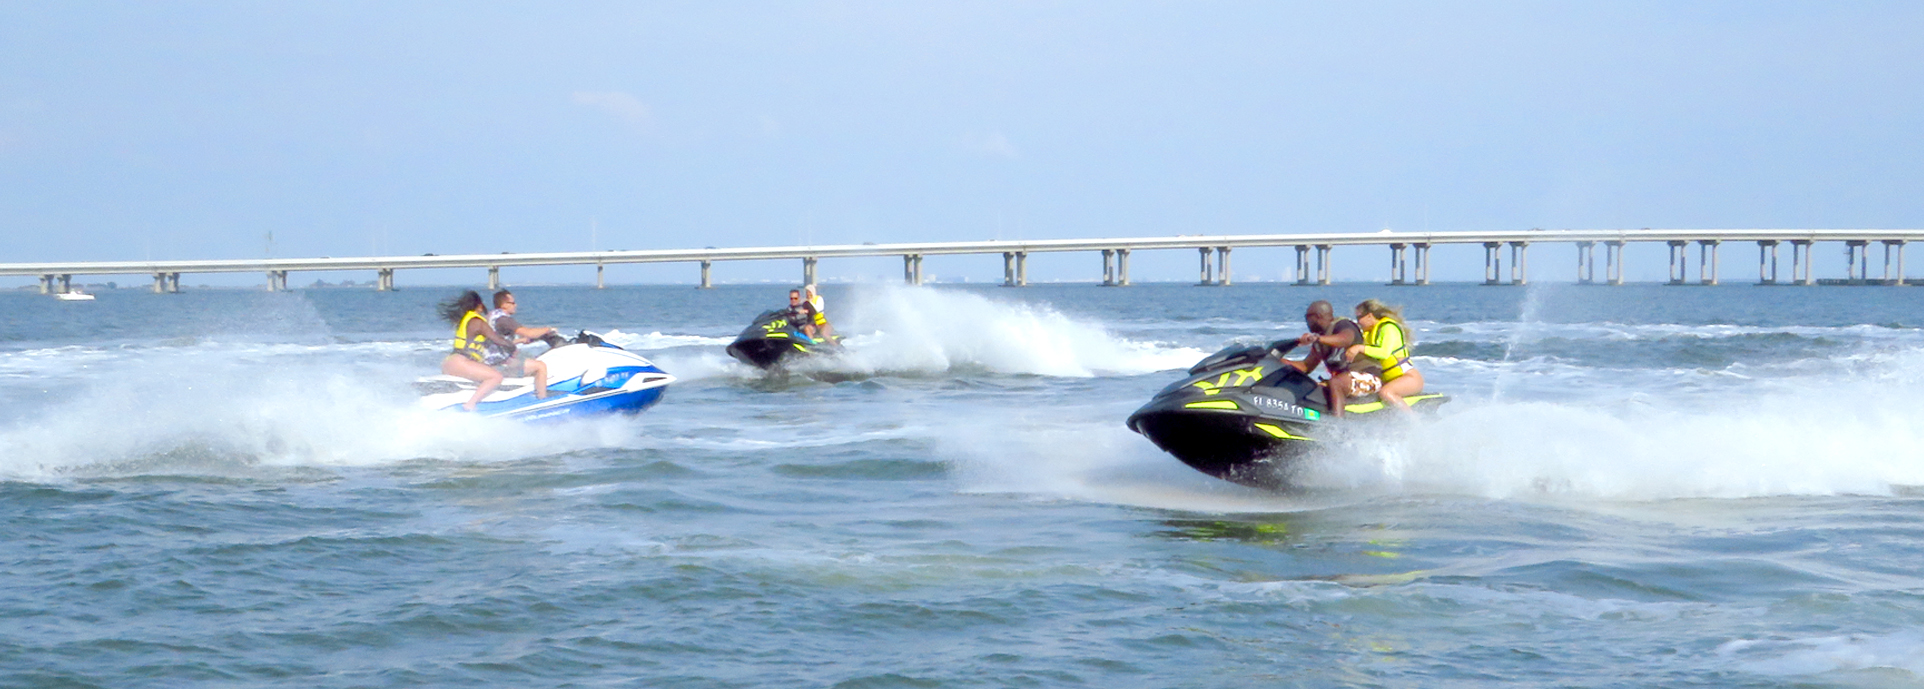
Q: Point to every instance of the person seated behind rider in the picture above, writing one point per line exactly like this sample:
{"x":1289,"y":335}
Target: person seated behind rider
{"x":1328,"y":339}
{"x":802,"y":314}
{"x":821,"y":313}
{"x":1387,"y":342}
{"x":472,"y":336}
{"x":503,"y":321}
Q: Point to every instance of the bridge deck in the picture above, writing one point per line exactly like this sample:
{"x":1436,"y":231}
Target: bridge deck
{"x":1015,"y":251}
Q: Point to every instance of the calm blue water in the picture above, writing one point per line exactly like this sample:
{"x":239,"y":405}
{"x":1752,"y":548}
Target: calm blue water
{"x":1635,"y":486}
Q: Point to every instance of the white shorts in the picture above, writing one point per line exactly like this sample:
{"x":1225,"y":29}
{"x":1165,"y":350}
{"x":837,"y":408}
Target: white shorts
{"x":1363,"y":384}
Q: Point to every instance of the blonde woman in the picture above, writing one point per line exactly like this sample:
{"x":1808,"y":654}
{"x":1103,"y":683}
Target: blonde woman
{"x":1387,"y":342}
{"x":814,"y":298}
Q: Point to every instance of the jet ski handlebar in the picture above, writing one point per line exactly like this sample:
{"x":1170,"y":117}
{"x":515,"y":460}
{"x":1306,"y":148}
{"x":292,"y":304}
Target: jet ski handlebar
{"x":1243,"y":354}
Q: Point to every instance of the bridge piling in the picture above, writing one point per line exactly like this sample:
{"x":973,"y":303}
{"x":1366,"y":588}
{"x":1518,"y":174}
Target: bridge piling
{"x":277,"y":281}
{"x":1899,"y":279}
{"x":1707,"y":260}
{"x":1325,"y":260}
{"x":1222,"y":260}
{"x":1800,"y":260}
{"x":1492,"y":263}
{"x":912,"y":269}
{"x":706,"y":278}
{"x":1122,"y":267}
{"x":1207,"y":278}
{"x":1767,"y":262}
{"x":1422,"y":263}
{"x":494,"y":278}
{"x":1854,"y":251}
{"x":1613,"y":262}
{"x":808,"y":270}
{"x":1022,"y":269}
{"x":1108,"y":267}
{"x":1678,"y":260}
{"x":46,"y":284}
{"x":1397,"y":273}
{"x":1586,"y":263}
{"x":383,"y":280}
{"x":1519,"y":263}
{"x":1302,"y":264}
{"x":66,"y":283}
{"x":1008,"y":269}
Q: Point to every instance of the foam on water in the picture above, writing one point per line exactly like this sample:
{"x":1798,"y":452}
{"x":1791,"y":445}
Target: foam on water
{"x":688,"y":357}
{"x":655,"y":341}
{"x":1562,"y":432}
{"x":1524,"y":331}
{"x":1024,"y":451}
{"x":907,"y":329}
{"x":204,"y":410}
{"x":1902,"y":651}
{"x":1813,"y":436}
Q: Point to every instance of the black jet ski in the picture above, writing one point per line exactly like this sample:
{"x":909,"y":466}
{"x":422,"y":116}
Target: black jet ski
{"x":1244,"y":414}
{"x":771,"y":341}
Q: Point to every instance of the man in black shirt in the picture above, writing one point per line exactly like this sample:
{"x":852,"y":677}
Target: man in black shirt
{"x":1327,"y":339}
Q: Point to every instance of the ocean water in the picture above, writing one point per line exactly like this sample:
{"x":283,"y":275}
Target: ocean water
{"x":1634,"y":486}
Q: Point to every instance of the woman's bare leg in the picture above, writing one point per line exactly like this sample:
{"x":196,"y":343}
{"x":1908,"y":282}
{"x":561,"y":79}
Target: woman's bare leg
{"x":1405,"y":385}
{"x":485,"y":376}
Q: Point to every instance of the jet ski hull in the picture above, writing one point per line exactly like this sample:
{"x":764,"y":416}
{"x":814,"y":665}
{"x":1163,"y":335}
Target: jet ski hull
{"x":764,"y":352}
{"x":584,"y":380}
{"x":1247,"y":416}
{"x":770,"y":342}
{"x":1226,"y":446}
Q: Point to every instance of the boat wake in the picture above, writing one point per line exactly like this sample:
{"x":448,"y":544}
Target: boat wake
{"x":918,"y":331}
{"x":260,"y":415}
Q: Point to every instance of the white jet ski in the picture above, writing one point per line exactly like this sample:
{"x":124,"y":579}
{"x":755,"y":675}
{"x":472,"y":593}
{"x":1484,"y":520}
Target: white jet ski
{"x":586,"y":377}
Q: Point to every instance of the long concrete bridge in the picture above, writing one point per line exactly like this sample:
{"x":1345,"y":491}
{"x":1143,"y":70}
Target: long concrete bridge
{"x":1409,"y":262}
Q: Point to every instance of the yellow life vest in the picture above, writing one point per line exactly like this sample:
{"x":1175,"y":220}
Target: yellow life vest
{"x":1398,"y":361}
{"x":474,"y":347}
{"x":816,"y":301}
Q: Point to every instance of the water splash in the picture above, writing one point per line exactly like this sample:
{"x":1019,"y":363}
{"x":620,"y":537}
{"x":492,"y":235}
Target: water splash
{"x":1733,"y":438}
{"x":928,"y":330}
{"x":247,"y":414}
{"x":1526,"y":329}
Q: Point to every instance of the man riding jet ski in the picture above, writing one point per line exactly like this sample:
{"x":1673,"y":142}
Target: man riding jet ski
{"x":586,"y":377}
{"x":783,"y":335}
{"x":1244,"y":414}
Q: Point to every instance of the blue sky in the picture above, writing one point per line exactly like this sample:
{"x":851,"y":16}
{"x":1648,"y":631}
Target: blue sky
{"x":191,"y":130}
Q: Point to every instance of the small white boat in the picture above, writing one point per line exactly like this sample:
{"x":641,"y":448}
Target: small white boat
{"x":74,"y":296}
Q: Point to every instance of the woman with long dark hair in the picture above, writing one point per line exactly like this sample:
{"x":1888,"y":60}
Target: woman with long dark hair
{"x":471,"y":335}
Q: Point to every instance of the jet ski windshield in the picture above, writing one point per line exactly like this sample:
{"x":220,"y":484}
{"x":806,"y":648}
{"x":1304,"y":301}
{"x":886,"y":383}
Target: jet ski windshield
{"x":1241,"y":355}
